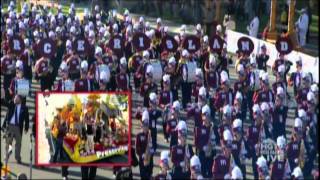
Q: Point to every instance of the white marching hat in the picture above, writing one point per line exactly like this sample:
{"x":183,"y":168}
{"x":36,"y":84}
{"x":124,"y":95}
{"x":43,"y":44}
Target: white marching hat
{"x":84,"y":65}
{"x":19,"y":65}
{"x":237,"y":123}
{"x":314,"y":88}
{"x":198,"y":72}
{"x":224,"y":76}
{"x":145,"y":53}
{"x":227,"y":136}
{"x":297,"y":172}
{"x":181,"y":126}
{"x":183,"y":27}
{"x":172,"y":60}
{"x":298,"y":123}
{"x":280,"y":91}
{"x":227,"y":109}
{"x":212,"y":59}
{"x":302,"y":113}
{"x":149,"y":69}
{"x":205,"y":38}
{"x":68,"y":44}
{"x":63,"y":66}
{"x":310,"y":96}
{"x":158,"y":20}
{"x":281,"y":68}
{"x":264,"y":106}
{"x":236,"y":173}
{"x":164,"y":156}
{"x":185,"y":53}
{"x":195,"y":162}
{"x":202,"y":91}
{"x":281,"y":142}
{"x":153,"y":97}
{"x":176,"y":105}
{"x":198,"y":27}
{"x":238,"y":96}
{"x":261,"y":162}
{"x":123,"y":61}
{"x":206,"y":110}
{"x":145,"y":117}
{"x":98,"y":50}
{"x":166,"y":78}
{"x":256,"y":108}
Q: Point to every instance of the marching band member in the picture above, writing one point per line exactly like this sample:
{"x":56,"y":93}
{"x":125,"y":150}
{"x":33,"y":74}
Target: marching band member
{"x":14,"y":85}
{"x":194,"y":110}
{"x":122,"y":78}
{"x":164,"y":167}
{"x":198,"y":84}
{"x":223,"y":163}
{"x":205,"y":141}
{"x":301,"y":96}
{"x":224,"y":94}
{"x":237,"y":112}
{"x":8,"y":71}
{"x":211,"y":74}
{"x":27,"y":58}
{"x":262,"y":58}
{"x":83,"y":84}
{"x":281,"y":61}
{"x":103,"y":81}
{"x":195,"y":168}
{"x":263,"y":169}
{"x":267,"y":129}
{"x":253,"y":137}
{"x":239,"y":151}
{"x":142,"y":67}
{"x":185,"y":85}
{"x":296,"y":77}
{"x":315,"y":89}
{"x":165,"y":101}
{"x":264,"y":94}
{"x":226,"y":121}
{"x":224,"y":61}
{"x":297,"y":174}
{"x":181,"y":153}
{"x":170,"y":69}
{"x":241,"y":85}
{"x":134,"y":63}
{"x":73,"y":62}
{"x":172,"y":123}
{"x":154,"y":115}
{"x":279,"y":114}
{"x":280,"y":167}
{"x":43,"y":70}
{"x":254,"y":83}
{"x":144,"y":148}
{"x":65,"y":83}
{"x":280,"y":81}
{"x":148,"y":86}
{"x":236,"y":173}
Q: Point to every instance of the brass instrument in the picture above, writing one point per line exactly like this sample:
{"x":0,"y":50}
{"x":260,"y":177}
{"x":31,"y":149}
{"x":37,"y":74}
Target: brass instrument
{"x":147,"y":155}
{"x":302,"y":155}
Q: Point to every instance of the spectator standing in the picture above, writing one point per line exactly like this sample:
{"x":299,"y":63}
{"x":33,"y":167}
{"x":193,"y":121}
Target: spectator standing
{"x":302,"y":27}
{"x":253,"y":28}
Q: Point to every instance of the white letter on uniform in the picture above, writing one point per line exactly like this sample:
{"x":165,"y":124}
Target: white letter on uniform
{"x":47,"y":48}
{"x":216,"y":44}
{"x":16,"y":44}
{"x":169,"y":44}
{"x":284,"y":46}
{"x":141,"y":42}
{"x":81,"y":45}
{"x":190,"y":45}
{"x":116,"y":44}
{"x":245,"y":45}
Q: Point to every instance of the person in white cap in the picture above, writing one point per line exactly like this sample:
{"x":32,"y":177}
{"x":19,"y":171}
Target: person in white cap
{"x":302,"y":27}
{"x":194,"y":110}
{"x":7,"y":68}
{"x":148,"y":85}
{"x":172,"y":122}
{"x":236,"y":173}
{"x":181,"y":153}
{"x":65,"y":83}
{"x":279,"y":114}
{"x":43,"y":71}
{"x":265,"y":94}
{"x":104,"y":78}
{"x":262,"y":168}
{"x":84,"y":84}
{"x":165,"y":172}
{"x":27,"y":59}
{"x":280,"y":168}
{"x":195,"y":168}
{"x":301,"y":97}
{"x":205,"y":141}
{"x":224,"y":95}
{"x":315,"y":89}
{"x":239,"y":151}
{"x":241,"y":86}
{"x":198,"y":84}
{"x":171,"y":70}
{"x":144,"y":148}
{"x":211,"y":74}
{"x":297,"y":173}
{"x":226,"y":117}
{"x":182,"y":72}
{"x":295,"y":78}
{"x":223,"y":162}
{"x":253,"y":28}
{"x":122,"y":78}
{"x":237,"y":104}
{"x":266,"y":110}
{"x":73,"y":62}
{"x":154,"y":117}
{"x":262,"y":58}
{"x":297,"y":146}
{"x":280,"y":81}
{"x":252,"y":136}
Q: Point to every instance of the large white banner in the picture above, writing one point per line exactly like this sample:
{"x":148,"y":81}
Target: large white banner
{"x":309,"y":63}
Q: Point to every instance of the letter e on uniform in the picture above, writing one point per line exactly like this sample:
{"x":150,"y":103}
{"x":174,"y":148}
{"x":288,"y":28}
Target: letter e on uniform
{"x":47,"y":48}
{"x":169,"y":44}
{"x":16,"y":45}
{"x":80,"y":45}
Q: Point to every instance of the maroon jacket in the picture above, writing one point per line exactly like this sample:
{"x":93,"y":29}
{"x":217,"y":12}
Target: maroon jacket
{"x":141,"y":143}
{"x":201,"y":136}
{"x":223,"y":98}
{"x":302,"y":95}
{"x":5,"y":63}
{"x":196,"y":114}
{"x":263,"y":96}
{"x":83,"y":85}
{"x":165,"y":97}
{"x":122,"y":81}
{"x":278,"y":169}
{"x":221,"y":166}
{"x":212,"y":79}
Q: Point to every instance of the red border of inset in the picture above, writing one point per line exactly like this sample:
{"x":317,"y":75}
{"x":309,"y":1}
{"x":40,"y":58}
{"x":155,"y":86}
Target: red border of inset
{"x":128,"y":93}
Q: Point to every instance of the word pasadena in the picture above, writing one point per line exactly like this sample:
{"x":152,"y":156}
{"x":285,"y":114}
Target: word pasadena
{"x":114,"y":151}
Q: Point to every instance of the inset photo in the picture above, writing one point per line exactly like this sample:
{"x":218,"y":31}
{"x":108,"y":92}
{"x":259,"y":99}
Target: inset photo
{"x":83,"y":129}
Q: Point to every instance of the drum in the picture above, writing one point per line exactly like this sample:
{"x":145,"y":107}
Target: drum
{"x":191,"y":72}
{"x":22,"y":87}
{"x":101,"y":68}
{"x":157,"y":70}
{"x":68,"y":85}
